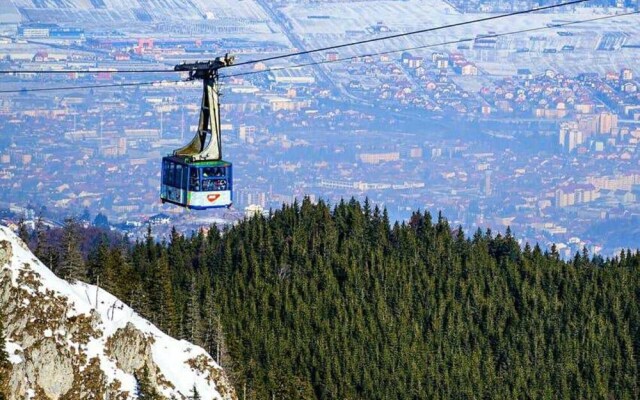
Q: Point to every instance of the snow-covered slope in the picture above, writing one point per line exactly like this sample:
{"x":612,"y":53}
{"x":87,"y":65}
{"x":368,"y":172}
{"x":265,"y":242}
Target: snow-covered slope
{"x":78,"y":341}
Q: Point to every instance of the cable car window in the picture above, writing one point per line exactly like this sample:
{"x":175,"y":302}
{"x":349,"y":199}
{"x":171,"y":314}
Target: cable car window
{"x":185,"y":177}
{"x":207,"y":185}
{"x":165,"y":173}
{"x":177,"y":176}
{"x":209,"y":172}
{"x":220,"y":184}
{"x":194,"y":180}
{"x":170,"y":172}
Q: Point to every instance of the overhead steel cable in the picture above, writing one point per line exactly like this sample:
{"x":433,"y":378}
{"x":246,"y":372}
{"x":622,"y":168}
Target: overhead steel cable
{"x":457,"y":41}
{"x":106,"y":85}
{"x":426,"y":30}
{"x":431,"y":45}
{"x":433,"y":29}
{"x":86,"y":71}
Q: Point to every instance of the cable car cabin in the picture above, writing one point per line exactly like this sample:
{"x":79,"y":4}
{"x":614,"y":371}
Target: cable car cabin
{"x":198,"y":185}
{"x":195,"y":176}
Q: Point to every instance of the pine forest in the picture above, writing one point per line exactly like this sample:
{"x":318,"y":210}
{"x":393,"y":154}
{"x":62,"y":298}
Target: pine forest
{"x":319,"y":301}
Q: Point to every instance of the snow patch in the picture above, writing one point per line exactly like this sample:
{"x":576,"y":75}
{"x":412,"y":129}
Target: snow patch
{"x":170,"y":355}
{"x":13,"y":349}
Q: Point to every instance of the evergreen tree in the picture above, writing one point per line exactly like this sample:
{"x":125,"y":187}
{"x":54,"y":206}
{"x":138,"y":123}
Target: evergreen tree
{"x":72,"y":265}
{"x":213,"y":335}
{"x":117,"y":275}
{"x":97,"y":262}
{"x":44,"y":250}
{"x":23,"y":232}
{"x":101,"y":221}
{"x":161,"y":296}
{"x":192,"y":319}
{"x":320,"y":303}
{"x":85,"y":216}
{"x":195,"y":395}
{"x":144,"y":388}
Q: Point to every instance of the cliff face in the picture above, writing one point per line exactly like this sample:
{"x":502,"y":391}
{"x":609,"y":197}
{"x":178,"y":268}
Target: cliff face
{"x":75,"y":341}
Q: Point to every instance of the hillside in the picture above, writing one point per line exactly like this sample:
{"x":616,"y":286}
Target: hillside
{"x":334,"y":302}
{"x":72,"y":341}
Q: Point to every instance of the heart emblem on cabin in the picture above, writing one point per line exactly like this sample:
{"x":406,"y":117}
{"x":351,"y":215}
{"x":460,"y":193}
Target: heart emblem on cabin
{"x":213,"y":197}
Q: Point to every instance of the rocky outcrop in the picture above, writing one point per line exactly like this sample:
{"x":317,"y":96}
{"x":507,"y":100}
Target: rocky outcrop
{"x":75,"y":341}
{"x":129,"y":348}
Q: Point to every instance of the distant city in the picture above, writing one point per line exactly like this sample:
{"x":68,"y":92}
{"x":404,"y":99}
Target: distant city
{"x":538,"y":131}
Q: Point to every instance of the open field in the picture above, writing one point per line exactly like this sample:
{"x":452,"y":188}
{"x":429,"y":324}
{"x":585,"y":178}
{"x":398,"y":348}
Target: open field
{"x":135,"y":10}
{"x":588,"y":47}
{"x":218,"y":19}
